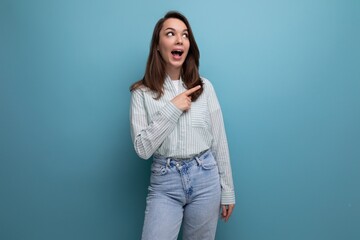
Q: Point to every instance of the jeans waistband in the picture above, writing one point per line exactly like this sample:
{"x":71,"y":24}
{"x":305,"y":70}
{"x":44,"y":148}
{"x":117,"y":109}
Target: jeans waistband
{"x":175,"y":161}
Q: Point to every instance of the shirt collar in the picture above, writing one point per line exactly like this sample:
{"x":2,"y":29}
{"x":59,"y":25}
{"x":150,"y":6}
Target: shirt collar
{"x":169,"y":85}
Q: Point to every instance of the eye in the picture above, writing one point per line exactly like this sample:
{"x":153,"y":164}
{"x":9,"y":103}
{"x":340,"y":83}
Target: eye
{"x":169,"y":34}
{"x":185,"y":35}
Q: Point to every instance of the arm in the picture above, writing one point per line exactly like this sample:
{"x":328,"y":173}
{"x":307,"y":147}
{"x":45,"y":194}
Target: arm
{"x":147,"y":137}
{"x":220,"y":148}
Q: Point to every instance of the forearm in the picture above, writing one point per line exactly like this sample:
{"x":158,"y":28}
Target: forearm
{"x":148,"y":138}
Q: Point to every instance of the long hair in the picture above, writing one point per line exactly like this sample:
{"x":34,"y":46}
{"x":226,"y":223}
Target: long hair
{"x":154,"y":76}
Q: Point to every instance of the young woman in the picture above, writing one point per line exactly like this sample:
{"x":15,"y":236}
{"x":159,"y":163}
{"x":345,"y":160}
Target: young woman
{"x":176,"y":118}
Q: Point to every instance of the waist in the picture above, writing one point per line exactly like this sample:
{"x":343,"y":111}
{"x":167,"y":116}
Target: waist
{"x":166,"y":160}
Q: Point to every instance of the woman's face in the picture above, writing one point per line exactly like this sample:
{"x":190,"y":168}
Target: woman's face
{"x":174,"y":43}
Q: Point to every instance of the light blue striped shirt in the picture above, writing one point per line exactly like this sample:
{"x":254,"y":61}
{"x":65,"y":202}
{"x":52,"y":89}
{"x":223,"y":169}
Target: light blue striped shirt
{"x":157,"y":126}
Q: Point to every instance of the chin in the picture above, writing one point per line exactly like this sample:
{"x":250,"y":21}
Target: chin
{"x":176,"y":64}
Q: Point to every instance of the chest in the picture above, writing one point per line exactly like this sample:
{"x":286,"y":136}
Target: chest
{"x":196,"y":116}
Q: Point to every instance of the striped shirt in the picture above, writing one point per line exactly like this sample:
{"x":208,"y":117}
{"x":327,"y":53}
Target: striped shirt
{"x":158,"y":126}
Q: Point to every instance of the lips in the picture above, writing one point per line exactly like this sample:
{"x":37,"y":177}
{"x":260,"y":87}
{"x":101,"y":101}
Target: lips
{"x":177,"y":53}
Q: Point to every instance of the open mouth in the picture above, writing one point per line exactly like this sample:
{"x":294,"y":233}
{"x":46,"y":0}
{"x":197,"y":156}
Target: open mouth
{"x":177,"y":52}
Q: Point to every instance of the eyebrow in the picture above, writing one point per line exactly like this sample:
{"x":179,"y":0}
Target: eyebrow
{"x":173,"y":29}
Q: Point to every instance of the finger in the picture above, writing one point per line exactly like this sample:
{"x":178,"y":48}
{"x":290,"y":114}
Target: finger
{"x":192,"y":90}
{"x":229,"y":212}
{"x":223,"y":212}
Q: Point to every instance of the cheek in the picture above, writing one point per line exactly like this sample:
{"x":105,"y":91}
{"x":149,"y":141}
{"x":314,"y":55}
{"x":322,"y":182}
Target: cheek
{"x":164,"y":44}
{"x":187,"y":45}
{"x":187,"y":49}
{"x":161,"y":48}
{"x":164,"y":50}
{"x":163,"y":53}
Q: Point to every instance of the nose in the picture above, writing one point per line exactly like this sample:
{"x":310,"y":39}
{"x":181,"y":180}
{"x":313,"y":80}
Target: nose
{"x":179,"y":39}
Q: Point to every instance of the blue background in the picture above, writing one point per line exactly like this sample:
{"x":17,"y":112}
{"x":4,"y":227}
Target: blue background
{"x":287,"y":74}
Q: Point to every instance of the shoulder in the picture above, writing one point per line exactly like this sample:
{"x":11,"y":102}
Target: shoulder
{"x":140,"y":90}
{"x":205,"y":80}
{"x":207,"y":85}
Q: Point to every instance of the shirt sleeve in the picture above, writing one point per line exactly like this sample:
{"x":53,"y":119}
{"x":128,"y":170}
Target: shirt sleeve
{"x":220,"y":148}
{"x":147,"y":136}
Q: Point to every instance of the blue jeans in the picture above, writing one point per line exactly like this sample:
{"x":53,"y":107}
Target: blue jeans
{"x":182,"y":191}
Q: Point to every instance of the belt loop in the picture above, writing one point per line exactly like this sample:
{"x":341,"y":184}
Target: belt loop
{"x":168,"y":162}
{"x":198,"y":161}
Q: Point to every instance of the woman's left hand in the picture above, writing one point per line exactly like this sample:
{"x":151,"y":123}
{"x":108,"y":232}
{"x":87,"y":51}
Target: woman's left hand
{"x":226,"y":211}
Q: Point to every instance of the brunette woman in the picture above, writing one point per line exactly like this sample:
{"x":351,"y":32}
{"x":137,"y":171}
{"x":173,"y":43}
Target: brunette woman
{"x":176,"y":118}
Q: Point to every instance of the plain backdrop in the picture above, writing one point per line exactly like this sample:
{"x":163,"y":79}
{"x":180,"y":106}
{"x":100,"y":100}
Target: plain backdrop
{"x":287,"y":74}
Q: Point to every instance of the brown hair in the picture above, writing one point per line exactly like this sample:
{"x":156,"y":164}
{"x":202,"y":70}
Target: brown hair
{"x":154,"y":76}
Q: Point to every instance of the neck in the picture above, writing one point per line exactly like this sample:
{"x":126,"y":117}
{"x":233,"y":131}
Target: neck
{"x":173,"y":73}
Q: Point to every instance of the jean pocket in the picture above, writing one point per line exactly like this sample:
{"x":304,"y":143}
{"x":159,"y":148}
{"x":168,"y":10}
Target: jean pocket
{"x":158,"y":169}
{"x":209,"y":161}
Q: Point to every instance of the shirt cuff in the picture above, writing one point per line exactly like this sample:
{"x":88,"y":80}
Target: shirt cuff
{"x":171,"y":112}
{"x":227,"y":198}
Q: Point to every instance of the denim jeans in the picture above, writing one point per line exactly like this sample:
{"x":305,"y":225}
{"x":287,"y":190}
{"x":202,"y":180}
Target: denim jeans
{"x":183,"y":192}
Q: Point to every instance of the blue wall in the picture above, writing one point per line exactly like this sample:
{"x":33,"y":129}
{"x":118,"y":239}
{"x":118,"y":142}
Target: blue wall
{"x":287,"y":74}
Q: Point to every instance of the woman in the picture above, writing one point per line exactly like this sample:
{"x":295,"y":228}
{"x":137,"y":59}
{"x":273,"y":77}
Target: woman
{"x":176,"y":118}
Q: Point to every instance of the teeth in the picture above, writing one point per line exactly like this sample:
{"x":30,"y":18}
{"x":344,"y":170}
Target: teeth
{"x":178,"y":52}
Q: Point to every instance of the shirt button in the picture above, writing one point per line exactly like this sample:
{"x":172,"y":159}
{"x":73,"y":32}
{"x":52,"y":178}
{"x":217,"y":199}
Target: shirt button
{"x":177,"y":165}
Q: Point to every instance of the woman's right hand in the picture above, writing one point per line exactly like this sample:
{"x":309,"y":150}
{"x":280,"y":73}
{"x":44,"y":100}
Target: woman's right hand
{"x":183,"y":100}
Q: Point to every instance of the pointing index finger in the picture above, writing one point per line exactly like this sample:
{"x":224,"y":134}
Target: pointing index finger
{"x":192,"y":90}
